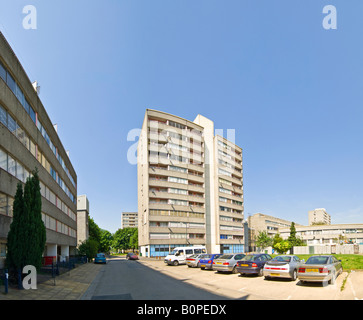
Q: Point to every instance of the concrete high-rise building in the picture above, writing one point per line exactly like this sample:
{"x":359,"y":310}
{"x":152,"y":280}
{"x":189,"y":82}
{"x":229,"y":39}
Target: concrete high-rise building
{"x":129,"y":220}
{"x":319,"y":216}
{"x":190,"y":189}
{"x":28,"y":140}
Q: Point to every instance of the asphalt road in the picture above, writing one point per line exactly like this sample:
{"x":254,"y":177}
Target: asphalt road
{"x":121,"y":279}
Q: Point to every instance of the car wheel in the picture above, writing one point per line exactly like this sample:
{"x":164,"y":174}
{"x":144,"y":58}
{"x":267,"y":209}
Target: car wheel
{"x":175,"y":262}
{"x":234,"y":271}
{"x":267,"y":278}
{"x":332,"y":280}
{"x":294,"y":275}
{"x":260,"y":272}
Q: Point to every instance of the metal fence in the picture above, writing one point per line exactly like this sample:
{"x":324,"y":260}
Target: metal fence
{"x":46,"y":272}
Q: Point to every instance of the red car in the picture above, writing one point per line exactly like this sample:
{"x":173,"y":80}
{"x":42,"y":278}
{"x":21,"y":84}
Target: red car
{"x":132,"y":256}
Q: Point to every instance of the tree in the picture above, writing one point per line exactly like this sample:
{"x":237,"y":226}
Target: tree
{"x":106,"y":241}
{"x":276,"y":239}
{"x":282,"y":247}
{"x":122,"y":239}
{"x":27,"y":235}
{"x":36,"y":228}
{"x":263,"y":240}
{"x":292,"y":239}
{"x":17,"y":237}
{"x":94,"y":230}
{"x":88,"y":248}
{"x":134,"y":240}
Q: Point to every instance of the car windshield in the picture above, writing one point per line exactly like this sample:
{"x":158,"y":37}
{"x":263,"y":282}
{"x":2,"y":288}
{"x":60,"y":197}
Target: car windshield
{"x":317,"y":260}
{"x":250,"y":258}
{"x":282,"y":259}
{"x":205,"y":256}
{"x":100,"y":255}
{"x":226,"y":256}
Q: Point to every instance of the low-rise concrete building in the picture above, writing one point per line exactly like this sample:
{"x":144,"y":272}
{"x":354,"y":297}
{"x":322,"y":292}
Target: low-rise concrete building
{"x":262,"y":222}
{"x":328,"y":234}
{"x":82,"y":219}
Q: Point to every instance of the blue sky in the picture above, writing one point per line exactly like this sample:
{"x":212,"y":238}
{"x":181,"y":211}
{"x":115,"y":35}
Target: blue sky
{"x":292,"y":90}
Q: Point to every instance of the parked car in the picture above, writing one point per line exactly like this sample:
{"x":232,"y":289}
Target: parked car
{"x":132,"y":256}
{"x":284,"y":266}
{"x":320,"y":269}
{"x":227,"y":262}
{"x":100,"y":258}
{"x":193,"y":260}
{"x":206,"y":260}
{"x":253,"y":263}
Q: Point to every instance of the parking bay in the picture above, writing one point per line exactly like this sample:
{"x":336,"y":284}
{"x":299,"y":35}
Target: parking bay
{"x":250,"y":287}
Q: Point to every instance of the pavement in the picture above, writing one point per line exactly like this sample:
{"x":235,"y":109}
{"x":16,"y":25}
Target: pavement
{"x":67,"y":286}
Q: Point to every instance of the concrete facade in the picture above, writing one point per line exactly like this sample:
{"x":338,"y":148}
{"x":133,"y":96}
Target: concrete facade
{"x":328,"y":234}
{"x":190,"y":189}
{"x":82,"y":218}
{"x":319,"y":216}
{"x":261,"y":222}
{"x":129,"y":220}
{"x":28,"y":140}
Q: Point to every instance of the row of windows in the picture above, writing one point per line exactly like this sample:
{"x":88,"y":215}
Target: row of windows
{"x":176,"y":213}
{"x":6,"y":208}
{"x":8,"y":79}
{"x":229,"y":183}
{"x":161,"y":236}
{"x":54,"y":149}
{"x":231,"y":228}
{"x":230,"y":237}
{"x":227,"y":147}
{"x":176,"y":180}
{"x":6,"y":205}
{"x":226,"y":209}
{"x":235,"y":248}
{"x":154,"y":123}
{"x":16,"y":169}
{"x":176,"y":202}
{"x":230,"y":219}
{"x":177,"y":224}
{"x":7,"y":120}
{"x":229,"y":192}
{"x":222,"y":199}
{"x":14,"y":87}
{"x":50,"y":196}
{"x":13,"y":167}
{"x":176,"y":191}
{"x":55,"y":225}
{"x":159,"y":157}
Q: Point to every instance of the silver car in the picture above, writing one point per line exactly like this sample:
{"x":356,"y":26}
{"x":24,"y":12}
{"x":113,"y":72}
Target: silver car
{"x":284,"y":266}
{"x":324,"y":268}
{"x":227,"y":262}
{"x":192,"y":261}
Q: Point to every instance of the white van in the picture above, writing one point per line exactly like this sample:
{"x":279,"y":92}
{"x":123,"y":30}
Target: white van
{"x":179,"y":254}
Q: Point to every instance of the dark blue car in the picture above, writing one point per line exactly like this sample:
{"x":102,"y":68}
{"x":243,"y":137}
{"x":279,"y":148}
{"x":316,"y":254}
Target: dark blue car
{"x":253,"y":263}
{"x":206,"y":260}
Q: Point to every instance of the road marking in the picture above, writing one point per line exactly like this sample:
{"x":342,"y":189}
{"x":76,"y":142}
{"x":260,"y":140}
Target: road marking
{"x":242,"y":289}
